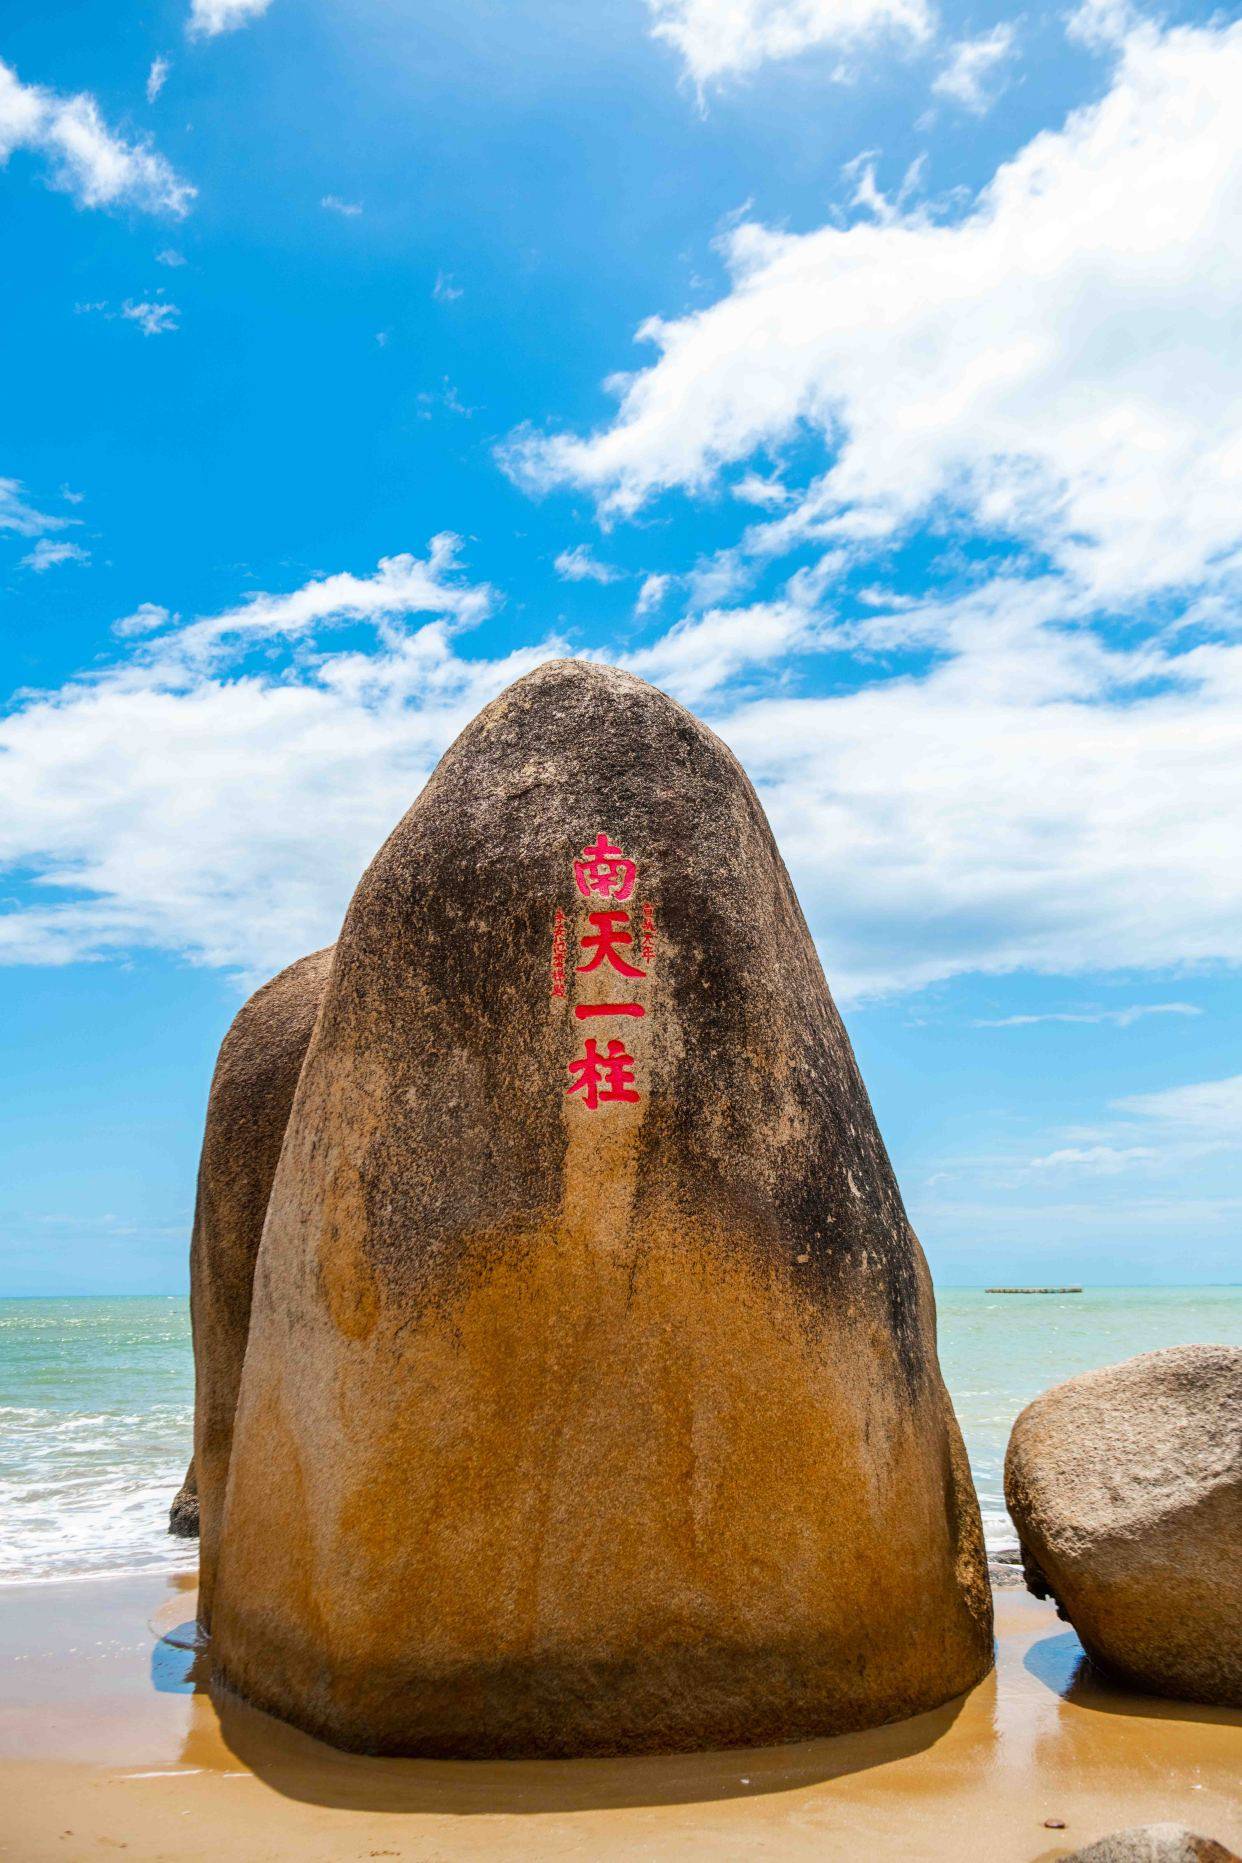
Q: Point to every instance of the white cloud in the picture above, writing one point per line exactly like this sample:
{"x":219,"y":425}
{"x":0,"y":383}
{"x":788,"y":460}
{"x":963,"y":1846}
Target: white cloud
{"x":445,"y":290}
{"x":445,"y":397}
{"x":401,"y":585}
{"x":1102,"y":24}
{"x":1062,"y":365}
{"x":999,"y":811}
{"x":46,"y":555}
{"x":579,"y":565}
{"x":169,"y":256}
{"x":88,"y":160}
{"x":754,"y":489}
{"x":1119,"y":1018}
{"x":1107,"y":1159}
{"x":18,"y":516}
{"x":208,"y":18}
{"x":146,"y":618}
{"x":152,"y":319}
{"x":348,"y":209}
{"x":1209,"y":1111}
{"x":218,"y":790}
{"x":716,"y":579}
{"x":1171,"y":1129}
{"x":184,"y":800}
{"x":157,"y":77}
{"x":731,"y":38}
{"x":699,"y":656}
{"x":651,"y":594}
{"x":995,"y":809}
{"x":970,"y":66}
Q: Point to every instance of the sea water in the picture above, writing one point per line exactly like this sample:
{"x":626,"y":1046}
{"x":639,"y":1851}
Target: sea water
{"x":998,"y":1351}
{"x":96,"y":1406}
{"x":96,"y":1429}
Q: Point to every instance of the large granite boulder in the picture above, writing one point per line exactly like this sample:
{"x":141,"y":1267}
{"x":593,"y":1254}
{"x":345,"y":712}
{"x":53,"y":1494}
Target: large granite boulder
{"x":1154,"y":1843}
{"x":1125,"y":1486}
{"x":247,"y":1112}
{"x":591,"y":1403}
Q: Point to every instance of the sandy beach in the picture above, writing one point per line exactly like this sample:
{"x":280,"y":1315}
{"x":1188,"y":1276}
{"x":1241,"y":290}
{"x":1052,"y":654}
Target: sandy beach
{"x":108,"y":1742}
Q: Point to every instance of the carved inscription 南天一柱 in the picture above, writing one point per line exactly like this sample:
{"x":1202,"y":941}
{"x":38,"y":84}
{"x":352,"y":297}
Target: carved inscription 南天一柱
{"x":604,"y":1070}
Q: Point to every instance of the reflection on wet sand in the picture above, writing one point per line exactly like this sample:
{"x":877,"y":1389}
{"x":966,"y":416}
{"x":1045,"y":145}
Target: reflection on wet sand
{"x":301,"y":1767}
{"x":109,"y":1730}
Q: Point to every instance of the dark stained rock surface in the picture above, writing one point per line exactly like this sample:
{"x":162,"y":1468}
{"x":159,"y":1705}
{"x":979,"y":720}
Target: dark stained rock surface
{"x":1125,"y":1486}
{"x":247,"y":1112}
{"x":183,"y":1514}
{"x":1154,"y":1843}
{"x":572,"y":1428}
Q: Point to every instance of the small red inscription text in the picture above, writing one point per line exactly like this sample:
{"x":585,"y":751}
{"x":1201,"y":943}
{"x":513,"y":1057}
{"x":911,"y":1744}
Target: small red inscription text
{"x":559,"y":944}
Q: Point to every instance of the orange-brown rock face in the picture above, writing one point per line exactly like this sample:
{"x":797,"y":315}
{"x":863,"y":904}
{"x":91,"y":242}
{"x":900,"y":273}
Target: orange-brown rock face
{"x":591,"y":1403}
{"x":247,"y":1112}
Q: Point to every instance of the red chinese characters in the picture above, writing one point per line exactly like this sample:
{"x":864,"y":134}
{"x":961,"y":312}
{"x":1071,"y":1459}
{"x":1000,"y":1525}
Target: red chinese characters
{"x":604,"y":871}
{"x":604,"y":1071}
{"x":608,"y":1076}
{"x":607,"y":935}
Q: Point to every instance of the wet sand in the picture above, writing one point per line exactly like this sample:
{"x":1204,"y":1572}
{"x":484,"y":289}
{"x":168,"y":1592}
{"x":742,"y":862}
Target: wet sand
{"x":107,"y":1743}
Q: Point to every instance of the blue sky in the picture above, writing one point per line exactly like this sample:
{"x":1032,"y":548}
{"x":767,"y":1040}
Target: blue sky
{"x":868,"y":373}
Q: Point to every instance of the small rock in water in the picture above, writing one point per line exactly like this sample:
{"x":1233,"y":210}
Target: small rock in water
{"x":183,"y":1514}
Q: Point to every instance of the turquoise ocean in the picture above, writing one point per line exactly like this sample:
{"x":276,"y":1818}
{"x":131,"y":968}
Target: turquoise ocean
{"x":96,"y":1406}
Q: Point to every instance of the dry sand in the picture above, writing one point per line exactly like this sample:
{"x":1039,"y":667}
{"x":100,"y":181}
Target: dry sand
{"x":107,"y":1744}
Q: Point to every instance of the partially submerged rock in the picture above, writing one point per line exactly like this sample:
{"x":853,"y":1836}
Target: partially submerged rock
{"x":1125,"y":1486}
{"x":1154,"y":1843}
{"x":1005,"y":1569}
{"x":247,"y":1112}
{"x":183,"y":1514}
{"x":591,"y":1402}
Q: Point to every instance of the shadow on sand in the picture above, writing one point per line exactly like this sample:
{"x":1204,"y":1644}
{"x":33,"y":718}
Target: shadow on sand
{"x":1061,"y":1664}
{"x":300,"y":1767}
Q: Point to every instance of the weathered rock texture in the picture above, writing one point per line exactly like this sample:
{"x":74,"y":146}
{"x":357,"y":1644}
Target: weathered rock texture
{"x":1125,"y":1486}
{"x":583,"y":1431}
{"x":1154,"y":1843}
{"x":183,"y":1514}
{"x":247,"y":1112}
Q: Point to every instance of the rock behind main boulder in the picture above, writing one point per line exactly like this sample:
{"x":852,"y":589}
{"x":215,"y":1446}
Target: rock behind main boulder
{"x":183,"y":1514}
{"x":591,"y":1403}
{"x":247,"y":1111}
{"x":1125,"y":1486}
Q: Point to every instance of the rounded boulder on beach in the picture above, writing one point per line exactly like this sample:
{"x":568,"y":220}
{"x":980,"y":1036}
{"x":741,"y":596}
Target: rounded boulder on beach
{"x":247,"y":1111}
{"x":1125,"y":1486}
{"x":591,"y":1403}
